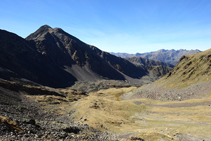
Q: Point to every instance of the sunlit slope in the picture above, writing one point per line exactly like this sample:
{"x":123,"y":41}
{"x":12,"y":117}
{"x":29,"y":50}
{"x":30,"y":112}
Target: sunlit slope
{"x":191,"y":69}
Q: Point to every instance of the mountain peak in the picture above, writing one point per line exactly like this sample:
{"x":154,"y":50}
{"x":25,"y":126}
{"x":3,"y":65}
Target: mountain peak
{"x":45,"y":26}
{"x":42,"y":30}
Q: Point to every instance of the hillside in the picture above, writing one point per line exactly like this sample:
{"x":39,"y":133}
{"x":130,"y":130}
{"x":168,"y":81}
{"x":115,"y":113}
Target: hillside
{"x":191,"y":69}
{"x":83,"y":61}
{"x":168,"y":56}
{"x":20,"y":61}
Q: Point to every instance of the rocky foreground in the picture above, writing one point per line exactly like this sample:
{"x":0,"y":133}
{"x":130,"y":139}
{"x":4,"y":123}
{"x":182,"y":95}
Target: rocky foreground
{"x":21,"y":118}
{"x":30,"y":130}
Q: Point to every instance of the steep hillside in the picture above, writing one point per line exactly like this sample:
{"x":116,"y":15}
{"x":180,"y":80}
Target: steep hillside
{"x":20,"y":61}
{"x":191,"y":69}
{"x":83,"y":61}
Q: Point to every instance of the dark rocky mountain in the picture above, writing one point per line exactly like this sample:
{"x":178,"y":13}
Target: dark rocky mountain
{"x":84,"y":61}
{"x":168,"y":56}
{"x":52,"y":57}
{"x":20,"y":61}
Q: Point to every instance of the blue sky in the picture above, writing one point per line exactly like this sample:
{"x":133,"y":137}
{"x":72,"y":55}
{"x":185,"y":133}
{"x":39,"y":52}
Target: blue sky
{"x":116,"y":25}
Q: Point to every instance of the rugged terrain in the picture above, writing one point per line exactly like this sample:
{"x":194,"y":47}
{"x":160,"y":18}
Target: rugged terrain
{"x":54,"y":58}
{"x":118,"y":110}
{"x":93,"y":95}
{"x":168,"y":56}
{"x":23,"y":118}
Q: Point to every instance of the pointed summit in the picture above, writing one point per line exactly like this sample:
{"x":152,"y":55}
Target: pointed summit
{"x":42,"y":30}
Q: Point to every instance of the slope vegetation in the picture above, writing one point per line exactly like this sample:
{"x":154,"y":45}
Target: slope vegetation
{"x":191,"y":69}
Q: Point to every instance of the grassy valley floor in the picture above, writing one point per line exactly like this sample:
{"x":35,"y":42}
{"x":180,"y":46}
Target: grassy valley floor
{"x":135,"y":119}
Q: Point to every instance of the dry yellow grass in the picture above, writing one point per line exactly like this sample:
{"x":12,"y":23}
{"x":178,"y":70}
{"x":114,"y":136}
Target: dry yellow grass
{"x":190,"y":70}
{"x":103,"y":110}
{"x":106,"y":111}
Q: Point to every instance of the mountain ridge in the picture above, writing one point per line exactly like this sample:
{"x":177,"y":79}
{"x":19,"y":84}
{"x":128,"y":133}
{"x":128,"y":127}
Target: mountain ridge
{"x":52,"y":57}
{"x":81,"y":53}
{"x":169,"y":56}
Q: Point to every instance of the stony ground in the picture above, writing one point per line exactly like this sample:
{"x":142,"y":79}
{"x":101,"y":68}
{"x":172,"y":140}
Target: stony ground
{"x":21,"y":118}
{"x":157,"y":92}
{"x":30,"y":115}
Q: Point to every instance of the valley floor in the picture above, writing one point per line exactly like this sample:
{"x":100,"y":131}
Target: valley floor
{"x":112,"y":110}
{"x":141,"y":118}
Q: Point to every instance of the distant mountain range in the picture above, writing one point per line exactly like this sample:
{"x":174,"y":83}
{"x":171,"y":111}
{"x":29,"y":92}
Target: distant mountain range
{"x":168,"y":56}
{"x":52,"y":57}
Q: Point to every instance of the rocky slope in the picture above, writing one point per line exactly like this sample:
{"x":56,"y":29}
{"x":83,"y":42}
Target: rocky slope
{"x":20,"y":61}
{"x":23,"y":118}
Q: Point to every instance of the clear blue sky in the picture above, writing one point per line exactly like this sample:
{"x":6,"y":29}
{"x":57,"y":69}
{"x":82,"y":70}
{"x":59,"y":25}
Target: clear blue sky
{"x":116,"y":25}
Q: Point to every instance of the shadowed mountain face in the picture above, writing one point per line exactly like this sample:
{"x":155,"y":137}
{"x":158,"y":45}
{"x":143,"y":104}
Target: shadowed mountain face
{"x":55,"y":58}
{"x":20,"y":61}
{"x":80,"y":58}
